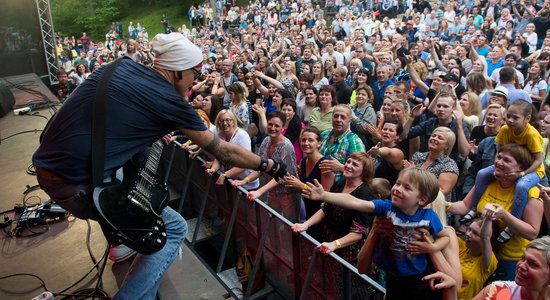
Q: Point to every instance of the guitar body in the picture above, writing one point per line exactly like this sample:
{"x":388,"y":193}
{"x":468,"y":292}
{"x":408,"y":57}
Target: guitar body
{"x":131,"y":210}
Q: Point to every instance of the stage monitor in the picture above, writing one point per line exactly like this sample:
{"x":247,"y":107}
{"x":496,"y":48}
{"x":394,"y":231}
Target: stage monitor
{"x":21,"y":48}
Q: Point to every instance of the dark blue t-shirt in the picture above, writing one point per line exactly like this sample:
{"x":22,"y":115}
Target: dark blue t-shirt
{"x":391,"y":254}
{"x":142,"y":106}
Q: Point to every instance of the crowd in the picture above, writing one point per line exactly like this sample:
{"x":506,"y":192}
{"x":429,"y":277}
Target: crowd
{"x":444,"y":111}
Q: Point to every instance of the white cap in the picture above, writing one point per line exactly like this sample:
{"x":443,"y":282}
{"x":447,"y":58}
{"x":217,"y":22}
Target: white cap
{"x":500,"y":90}
{"x":174,"y":52}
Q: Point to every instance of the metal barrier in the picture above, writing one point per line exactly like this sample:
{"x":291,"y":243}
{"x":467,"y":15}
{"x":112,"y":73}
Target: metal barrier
{"x":220,"y":217}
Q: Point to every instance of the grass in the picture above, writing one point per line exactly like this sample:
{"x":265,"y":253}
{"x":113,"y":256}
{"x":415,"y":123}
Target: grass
{"x":149,"y":17}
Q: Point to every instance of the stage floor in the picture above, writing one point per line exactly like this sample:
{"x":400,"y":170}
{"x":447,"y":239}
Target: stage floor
{"x":60,"y":256}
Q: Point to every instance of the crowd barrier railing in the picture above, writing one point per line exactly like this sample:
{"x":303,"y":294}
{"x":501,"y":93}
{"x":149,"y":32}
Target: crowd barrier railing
{"x":222,"y":221}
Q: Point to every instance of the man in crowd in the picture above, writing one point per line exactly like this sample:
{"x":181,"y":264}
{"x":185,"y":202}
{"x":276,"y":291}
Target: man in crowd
{"x":339,"y":142}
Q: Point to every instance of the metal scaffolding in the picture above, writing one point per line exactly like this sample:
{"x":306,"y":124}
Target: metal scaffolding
{"x":48,"y":38}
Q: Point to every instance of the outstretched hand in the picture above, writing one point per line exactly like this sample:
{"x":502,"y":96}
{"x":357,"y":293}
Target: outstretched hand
{"x":418,"y":110}
{"x":440,"y":280}
{"x":313,"y":191}
{"x":331,"y":165}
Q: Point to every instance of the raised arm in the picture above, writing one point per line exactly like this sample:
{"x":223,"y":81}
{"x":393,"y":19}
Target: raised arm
{"x":315,"y":191}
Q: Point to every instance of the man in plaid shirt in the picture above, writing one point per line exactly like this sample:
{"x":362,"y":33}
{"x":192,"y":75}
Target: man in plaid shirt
{"x":339,"y":142}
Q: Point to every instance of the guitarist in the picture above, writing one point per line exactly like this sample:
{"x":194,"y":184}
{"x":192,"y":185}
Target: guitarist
{"x":143,"y":104}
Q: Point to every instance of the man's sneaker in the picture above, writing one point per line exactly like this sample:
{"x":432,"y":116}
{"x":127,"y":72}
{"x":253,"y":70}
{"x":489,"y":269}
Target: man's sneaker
{"x":119,"y":253}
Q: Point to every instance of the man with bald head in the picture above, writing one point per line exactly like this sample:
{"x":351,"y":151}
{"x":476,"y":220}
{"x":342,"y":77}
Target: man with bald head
{"x":228,"y":78}
{"x":339,"y":142}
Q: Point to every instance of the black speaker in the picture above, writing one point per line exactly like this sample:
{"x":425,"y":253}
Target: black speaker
{"x":6,"y":100}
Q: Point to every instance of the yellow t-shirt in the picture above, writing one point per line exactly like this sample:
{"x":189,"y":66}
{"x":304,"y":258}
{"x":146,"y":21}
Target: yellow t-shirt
{"x":529,"y":138}
{"x":513,"y":249}
{"x":473,"y":272}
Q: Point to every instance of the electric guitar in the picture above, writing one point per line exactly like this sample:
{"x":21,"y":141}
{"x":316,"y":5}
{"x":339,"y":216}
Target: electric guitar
{"x":131,"y":210}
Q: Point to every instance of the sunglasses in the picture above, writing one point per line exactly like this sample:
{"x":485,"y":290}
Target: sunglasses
{"x":196,"y":73}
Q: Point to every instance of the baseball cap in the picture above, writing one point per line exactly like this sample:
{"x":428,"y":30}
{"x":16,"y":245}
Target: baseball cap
{"x":174,"y":52}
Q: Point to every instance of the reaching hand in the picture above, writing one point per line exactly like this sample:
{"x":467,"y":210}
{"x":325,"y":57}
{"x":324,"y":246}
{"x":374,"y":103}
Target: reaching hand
{"x":259,"y":109}
{"x":418,"y":110}
{"x":331,"y":165}
{"x":445,"y":281}
{"x":422,"y":244}
{"x":327,"y":247}
{"x":375,"y":150}
{"x":544,"y":192}
{"x":292,"y":181}
{"x":253,"y":195}
{"x":493,"y":211}
{"x":473,"y":147}
{"x":168,"y":138}
{"x":299,"y":227}
{"x":408,"y":164}
{"x":314,"y":191}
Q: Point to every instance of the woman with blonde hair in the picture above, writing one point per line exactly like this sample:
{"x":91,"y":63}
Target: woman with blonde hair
{"x":287,"y":74}
{"x":238,"y":93}
{"x":210,"y":85}
{"x":437,"y":160}
{"x":319,"y":79}
{"x":471,"y":107}
{"x":422,"y":72}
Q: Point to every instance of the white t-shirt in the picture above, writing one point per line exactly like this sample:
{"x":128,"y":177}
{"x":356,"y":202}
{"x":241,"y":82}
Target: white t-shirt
{"x":536,"y":87}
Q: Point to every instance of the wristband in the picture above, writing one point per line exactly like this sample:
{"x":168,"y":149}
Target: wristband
{"x":521,"y":173}
{"x":263,"y":165}
{"x":247,"y":179}
{"x":338,"y":244}
{"x":411,"y":118}
{"x":305,"y":187}
{"x":448,"y":206}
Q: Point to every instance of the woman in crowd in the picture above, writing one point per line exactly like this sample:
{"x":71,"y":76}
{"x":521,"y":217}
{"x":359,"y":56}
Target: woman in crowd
{"x":293,"y":126}
{"x":364,"y":115}
{"x":437,"y":160}
{"x":532,"y":279}
{"x":287,"y":75}
{"x":133,"y":52}
{"x":477,"y":83}
{"x":310,"y":143}
{"x":319,"y":72}
{"x":275,"y":104}
{"x":321,"y":116}
{"x":263,"y":63}
{"x":497,"y":199}
{"x":227,"y":130}
{"x":535,"y":85}
{"x":310,"y":103}
{"x":345,"y":230}
{"x":384,"y":113}
{"x":277,"y":146}
{"x":469,"y":102}
{"x":330,"y":66}
{"x":401,"y":73}
{"x":80,"y":74}
{"x":361,"y":80}
{"x":399,"y":111}
{"x":210,"y":85}
{"x":212,"y":105}
{"x":238,"y":93}
{"x":388,"y":158}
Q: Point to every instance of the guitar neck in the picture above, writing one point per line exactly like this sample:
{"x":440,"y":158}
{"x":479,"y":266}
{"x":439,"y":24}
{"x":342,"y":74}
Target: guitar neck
{"x":152,"y":163}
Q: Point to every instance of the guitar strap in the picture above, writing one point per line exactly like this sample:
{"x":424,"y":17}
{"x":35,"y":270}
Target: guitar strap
{"x":99,"y":123}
